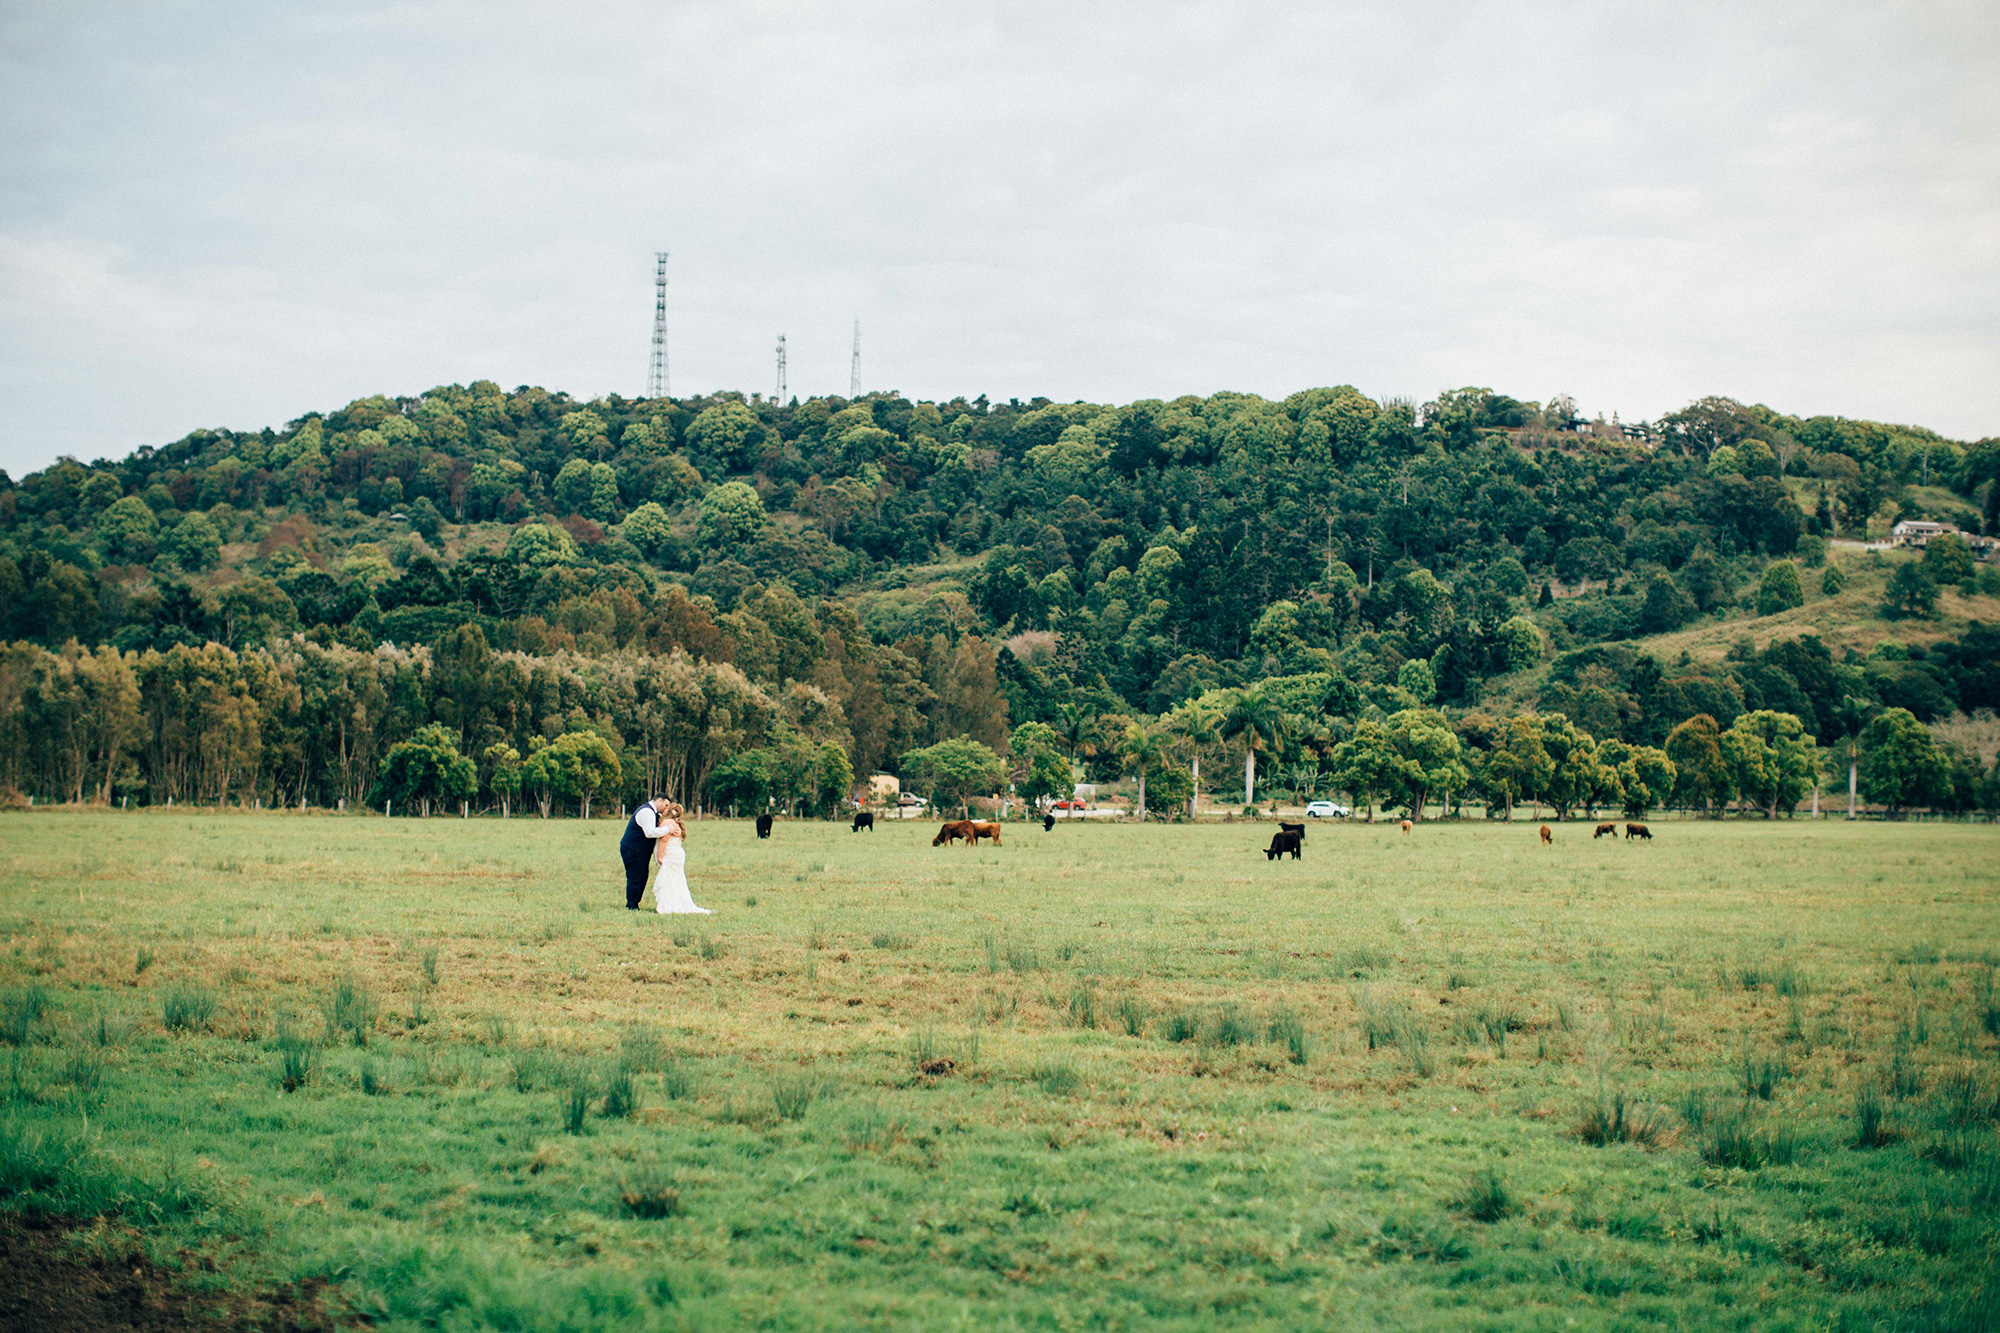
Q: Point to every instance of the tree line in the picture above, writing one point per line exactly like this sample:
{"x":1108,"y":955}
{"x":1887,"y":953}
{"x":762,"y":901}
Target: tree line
{"x":829,"y":587}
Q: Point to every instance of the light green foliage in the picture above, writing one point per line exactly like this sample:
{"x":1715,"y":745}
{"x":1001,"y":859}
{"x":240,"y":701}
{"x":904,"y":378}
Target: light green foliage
{"x":956,"y":769}
{"x":1520,"y":642}
{"x":540,"y":546}
{"x":1345,"y":1143}
{"x":1780,"y":588}
{"x":1948,"y":560}
{"x":427,"y":769}
{"x":1773,"y":762}
{"x":731,"y":514}
{"x":648,"y":528}
{"x":576,"y":765}
{"x":726,"y":431}
{"x":127,"y":527}
{"x":194,"y":543}
{"x":1901,"y":764}
{"x":1432,"y":766}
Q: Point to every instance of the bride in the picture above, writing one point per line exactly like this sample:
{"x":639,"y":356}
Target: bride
{"x":670,"y":887}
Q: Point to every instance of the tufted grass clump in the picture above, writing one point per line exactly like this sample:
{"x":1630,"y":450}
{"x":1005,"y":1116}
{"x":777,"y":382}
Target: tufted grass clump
{"x":350,"y":1009}
{"x":21,"y":1007}
{"x":1485,"y":1197}
{"x":1617,"y":1119}
{"x":187,"y":1008}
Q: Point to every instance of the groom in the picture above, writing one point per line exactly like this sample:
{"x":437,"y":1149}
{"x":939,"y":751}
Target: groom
{"x":636,"y":848}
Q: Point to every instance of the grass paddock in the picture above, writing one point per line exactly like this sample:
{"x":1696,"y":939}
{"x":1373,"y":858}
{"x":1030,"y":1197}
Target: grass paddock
{"x":1108,"y":1076}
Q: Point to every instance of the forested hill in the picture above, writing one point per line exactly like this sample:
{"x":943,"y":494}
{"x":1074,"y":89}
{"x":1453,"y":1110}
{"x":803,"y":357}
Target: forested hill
{"x":880,"y":575}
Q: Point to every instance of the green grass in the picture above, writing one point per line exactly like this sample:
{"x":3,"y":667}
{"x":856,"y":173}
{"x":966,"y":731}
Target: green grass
{"x":1116,"y":1076}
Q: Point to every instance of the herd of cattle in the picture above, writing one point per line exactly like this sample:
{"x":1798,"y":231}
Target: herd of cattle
{"x":1290,"y":838}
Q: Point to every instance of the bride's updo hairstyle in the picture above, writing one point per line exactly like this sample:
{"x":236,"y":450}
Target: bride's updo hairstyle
{"x":674,"y":811}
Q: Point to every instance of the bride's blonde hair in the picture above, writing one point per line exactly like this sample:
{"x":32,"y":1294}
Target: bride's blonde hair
{"x":673,"y":810}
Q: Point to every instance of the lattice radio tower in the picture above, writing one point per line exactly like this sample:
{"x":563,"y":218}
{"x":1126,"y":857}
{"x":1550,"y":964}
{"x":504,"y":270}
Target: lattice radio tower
{"x":854,"y":366}
{"x":781,"y":367}
{"x":657,"y":382}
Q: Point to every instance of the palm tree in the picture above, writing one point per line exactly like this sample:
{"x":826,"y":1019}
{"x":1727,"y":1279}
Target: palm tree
{"x":1197,"y":728}
{"x":1256,"y":715}
{"x":1144,"y":746}
{"x":1077,"y":726}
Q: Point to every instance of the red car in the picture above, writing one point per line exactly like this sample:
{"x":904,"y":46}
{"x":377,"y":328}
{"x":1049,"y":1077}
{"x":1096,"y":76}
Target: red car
{"x":1071,"y":805}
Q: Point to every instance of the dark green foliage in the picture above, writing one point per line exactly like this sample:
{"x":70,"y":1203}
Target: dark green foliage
{"x":1869,"y":1131}
{"x":575,"y":1102}
{"x":1287,"y":1029}
{"x":1760,"y":1075}
{"x":350,"y":1010}
{"x":20,"y":1008}
{"x":1734,"y":1140}
{"x":1083,"y":1005}
{"x":142,"y":961}
{"x":1180,"y":1025}
{"x":1614,"y":1119}
{"x":187,"y":1008}
{"x":1132,"y":1014}
{"x":621,"y":1097}
{"x":793,"y":1097}
{"x":1485,"y":1197}
{"x":1228,"y":1027}
{"x":1058,"y":1078}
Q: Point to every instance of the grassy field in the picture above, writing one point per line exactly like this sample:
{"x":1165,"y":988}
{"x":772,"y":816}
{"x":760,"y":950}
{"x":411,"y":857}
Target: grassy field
{"x":1117,"y":1077}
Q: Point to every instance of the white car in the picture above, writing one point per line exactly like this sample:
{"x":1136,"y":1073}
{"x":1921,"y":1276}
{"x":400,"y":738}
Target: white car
{"x":1327,"y":810}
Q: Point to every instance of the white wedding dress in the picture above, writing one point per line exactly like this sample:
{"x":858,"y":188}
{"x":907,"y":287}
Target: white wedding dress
{"x":670,"y":886}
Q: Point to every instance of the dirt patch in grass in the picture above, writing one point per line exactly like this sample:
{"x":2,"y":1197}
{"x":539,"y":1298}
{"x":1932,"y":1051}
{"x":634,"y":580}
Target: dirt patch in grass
{"x":51,"y":1284}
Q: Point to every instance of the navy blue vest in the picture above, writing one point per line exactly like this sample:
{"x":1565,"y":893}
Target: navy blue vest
{"x":635,"y":843}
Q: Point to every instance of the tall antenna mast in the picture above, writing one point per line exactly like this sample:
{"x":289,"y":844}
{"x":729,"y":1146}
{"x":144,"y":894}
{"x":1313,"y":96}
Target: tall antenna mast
{"x":657,"y":384}
{"x":854,"y":366}
{"x":781,"y":368}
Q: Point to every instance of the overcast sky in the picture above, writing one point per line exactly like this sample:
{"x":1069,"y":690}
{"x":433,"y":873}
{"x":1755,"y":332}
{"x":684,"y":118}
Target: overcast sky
{"x":229,"y":215}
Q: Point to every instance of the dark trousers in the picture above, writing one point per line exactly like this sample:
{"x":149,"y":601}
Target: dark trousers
{"x":636,"y":865}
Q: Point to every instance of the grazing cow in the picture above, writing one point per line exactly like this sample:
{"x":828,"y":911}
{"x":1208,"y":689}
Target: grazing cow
{"x":1638,"y":831}
{"x":1048,"y":821}
{"x":1299,"y":829}
{"x":863,"y":820}
{"x":952,"y":831}
{"x":1405,"y":825}
{"x":763,"y":826}
{"x":1281,"y":842}
{"x":983,"y":829}
{"x":1603,"y":829}
{"x":1548,"y":838}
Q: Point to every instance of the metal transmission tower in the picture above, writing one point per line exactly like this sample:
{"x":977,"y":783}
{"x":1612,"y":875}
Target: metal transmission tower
{"x":854,"y":366}
{"x":657,"y":383}
{"x":781,"y":367}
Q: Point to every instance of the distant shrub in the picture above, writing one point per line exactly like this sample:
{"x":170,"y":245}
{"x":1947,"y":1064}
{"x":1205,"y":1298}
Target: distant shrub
{"x":1733,"y":1141}
{"x":1058,"y":1078}
{"x":1485,"y":1197}
{"x":20,"y":1008}
{"x":350,"y":1010}
{"x":185,"y":1008}
{"x":1288,"y":1030}
{"x":1617,"y":1120}
{"x":793,"y":1097}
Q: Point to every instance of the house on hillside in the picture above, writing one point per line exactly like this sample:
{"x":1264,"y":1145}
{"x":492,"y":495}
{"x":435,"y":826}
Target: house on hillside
{"x":1918,"y":533}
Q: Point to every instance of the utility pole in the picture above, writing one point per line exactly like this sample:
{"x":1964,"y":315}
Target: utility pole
{"x":854,"y":366}
{"x":657,"y":383}
{"x":781,"y":368}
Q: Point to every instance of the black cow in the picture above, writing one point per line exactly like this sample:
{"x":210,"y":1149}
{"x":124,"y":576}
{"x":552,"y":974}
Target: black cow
{"x":1299,"y":829}
{"x":1048,"y":821}
{"x":863,"y":820}
{"x":1281,"y":842}
{"x":763,"y":826}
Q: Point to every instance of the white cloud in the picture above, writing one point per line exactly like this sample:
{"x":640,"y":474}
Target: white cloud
{"x":232,"y":214}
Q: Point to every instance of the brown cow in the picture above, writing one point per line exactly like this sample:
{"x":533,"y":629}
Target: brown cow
{"x":1603,"y":829}
{"x":1405,"y":826}
{"x":1638,"y":831}
{"x":1548,"y":838}
{"x":983,"y":829}
{"x":957,"y":828}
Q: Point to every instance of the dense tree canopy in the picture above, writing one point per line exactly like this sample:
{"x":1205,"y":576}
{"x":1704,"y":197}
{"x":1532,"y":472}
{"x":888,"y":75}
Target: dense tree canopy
{"x":726,"y":592}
